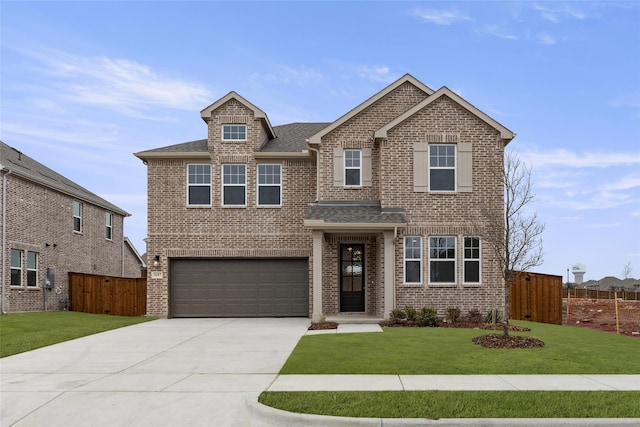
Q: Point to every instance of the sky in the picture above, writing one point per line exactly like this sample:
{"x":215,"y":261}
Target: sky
{"x":85,"y":84}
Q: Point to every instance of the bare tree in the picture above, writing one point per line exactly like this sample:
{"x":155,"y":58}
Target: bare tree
{"x":626,"y":270}
{"x":514,"y":234}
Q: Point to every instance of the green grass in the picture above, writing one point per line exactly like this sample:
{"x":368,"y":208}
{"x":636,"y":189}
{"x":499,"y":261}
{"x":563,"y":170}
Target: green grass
{"x":22,"y":332}
{"x":460,"y":404}
{"x":450,"y":351}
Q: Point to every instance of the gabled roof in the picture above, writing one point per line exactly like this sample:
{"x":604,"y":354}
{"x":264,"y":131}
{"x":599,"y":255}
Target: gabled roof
{"x":135,"y":252}
{"x":27,"y":168}
{"x":505,"y":133}
{"x":185,"y":150}
{"x":258,"y":113}
{"x":315,"y":139}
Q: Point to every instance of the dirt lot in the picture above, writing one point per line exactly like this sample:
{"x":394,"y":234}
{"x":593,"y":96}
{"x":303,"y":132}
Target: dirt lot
{"x":601,"y":314}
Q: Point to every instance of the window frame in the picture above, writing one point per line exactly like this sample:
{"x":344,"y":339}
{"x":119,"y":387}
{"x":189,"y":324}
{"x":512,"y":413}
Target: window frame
{"x":14,"y":268}
{"x":108,"y":220}
{"x":30,"y":269}
{"x":358,"y":168}
{"x":452,"y":259}
{"x":77,"y":216}
{"x":407,"y":260}
{"x":224,"y":185}
{"x":259,"y":185}
{"x":453,"y":168}
{"x":466,"y":259}
{"x":198,"y":184}
{"x":233,"y":132}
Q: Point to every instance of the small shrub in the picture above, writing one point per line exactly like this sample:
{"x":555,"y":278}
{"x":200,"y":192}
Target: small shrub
{"x":475,"y":316}
{"x":412,"y":313}
{"x":453,"y":314}
{"x":428,"y":316}
{"x":398,"y":314}
{"x":493,"y":316}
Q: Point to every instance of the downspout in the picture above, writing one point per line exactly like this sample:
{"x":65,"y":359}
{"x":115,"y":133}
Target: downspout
{"x":317,"y":170}
{"x":4,"y":234}
{"x":122,"y":267}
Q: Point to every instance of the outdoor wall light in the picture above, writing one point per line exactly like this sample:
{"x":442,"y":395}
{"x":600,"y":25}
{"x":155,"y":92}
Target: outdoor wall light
{"x":156,"y":260}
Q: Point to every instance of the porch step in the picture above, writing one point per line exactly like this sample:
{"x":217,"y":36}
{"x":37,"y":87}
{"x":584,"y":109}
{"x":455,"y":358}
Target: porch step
{"x":343,"y":319}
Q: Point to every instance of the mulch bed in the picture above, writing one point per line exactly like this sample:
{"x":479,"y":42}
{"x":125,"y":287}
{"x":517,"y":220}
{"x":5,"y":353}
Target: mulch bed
{"x":511,"y":341}
{"x":319,"y":326}
{"x":489,"y":341}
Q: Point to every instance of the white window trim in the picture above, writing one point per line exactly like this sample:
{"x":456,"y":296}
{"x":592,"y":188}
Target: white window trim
{"x":108,"y":219}
{"x":454,"y":259}
{"x":233,"y":185}
{"x":32,"y":269}
{"x":454,"y":168}
{"x":198,"y":205}
{"x":479,"y":259}
{"x":17,"y":268}
{"x":258,"y":185}
{"x":80,"y":204}
{"x":345,"y":167}
{"x":404,"y":264}
{"x":233,"y":139}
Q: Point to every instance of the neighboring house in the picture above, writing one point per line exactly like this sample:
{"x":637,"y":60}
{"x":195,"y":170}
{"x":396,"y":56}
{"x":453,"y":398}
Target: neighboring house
{"x":359,"y":216}
{"x":52,"y":226}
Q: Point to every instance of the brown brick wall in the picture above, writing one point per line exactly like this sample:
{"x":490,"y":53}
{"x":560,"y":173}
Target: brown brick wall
{"x":177,"y":231}
{"x":37,"y":216}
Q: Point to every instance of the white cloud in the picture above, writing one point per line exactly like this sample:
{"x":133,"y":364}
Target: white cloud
{"x":286,"y":74}
{"x":569,"y":159}
{"x":555,"y":15}
{"x":442,"y":17}
{"x":122,"y":85}
{"x":625,"y":183}
{"x":496,"y":31}
{"x":546,"y":39}
{"x":376,"y":73}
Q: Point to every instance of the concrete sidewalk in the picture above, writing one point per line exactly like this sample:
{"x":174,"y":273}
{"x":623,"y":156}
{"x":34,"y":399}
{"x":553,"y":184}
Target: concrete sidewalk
{"x":455,"y":382}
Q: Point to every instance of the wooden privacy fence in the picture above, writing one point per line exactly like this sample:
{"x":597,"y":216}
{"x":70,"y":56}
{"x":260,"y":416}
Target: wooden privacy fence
{"x":537,"y":297}
{"x":120,"y":296}
{"x":598,"y":294}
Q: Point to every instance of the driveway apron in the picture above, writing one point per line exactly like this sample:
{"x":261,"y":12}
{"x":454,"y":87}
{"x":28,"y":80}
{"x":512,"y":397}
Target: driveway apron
{"x":169,"y":372}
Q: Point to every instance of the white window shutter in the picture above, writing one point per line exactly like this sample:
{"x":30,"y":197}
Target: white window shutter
{"x":366,"y":167}
{"x":421,"y":167}
{"x":465,"y":167}
{"x":338,"y":167}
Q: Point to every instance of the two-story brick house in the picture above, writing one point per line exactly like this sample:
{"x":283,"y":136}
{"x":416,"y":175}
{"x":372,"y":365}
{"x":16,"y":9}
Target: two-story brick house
{"x":371,"y":212}
{"x":51,"y":226}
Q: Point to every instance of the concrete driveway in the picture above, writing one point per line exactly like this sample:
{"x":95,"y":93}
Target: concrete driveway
{"x":172,"y":372}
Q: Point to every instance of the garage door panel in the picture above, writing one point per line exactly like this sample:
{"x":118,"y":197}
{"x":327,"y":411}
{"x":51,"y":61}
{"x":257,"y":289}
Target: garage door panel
{"x":239,"y":287}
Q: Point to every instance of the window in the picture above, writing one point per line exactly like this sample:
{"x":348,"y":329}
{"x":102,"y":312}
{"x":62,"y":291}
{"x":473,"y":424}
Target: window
{"x":199,"y":185}
{"x":234,"y":185}
{"x":77,"y":217}
{"x":16,"y":267}
{"x":471,"y":260}
{"x":108,"y":220}
{"x":413,"y":259}
{"x":234,"y":132}
{"x":442,"y":167}
{"x":32,"y":269}
{"x":352,"y":168}
{"x":269,"y":185}
{"x":442,"y":259}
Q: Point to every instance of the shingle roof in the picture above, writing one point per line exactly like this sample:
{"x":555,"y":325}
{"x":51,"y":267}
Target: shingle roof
{"x":354,"y":212}
{"x":28,"y":168}
{"x":289,"y":138}
{"x":185,"y":147}
{"x":292,"y":137}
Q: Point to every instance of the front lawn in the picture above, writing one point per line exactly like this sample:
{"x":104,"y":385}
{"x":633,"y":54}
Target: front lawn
{"x":435,"y":351}
{"x":460,"y":404}
{"x":419,"y":351}
{"x":22,"y":332}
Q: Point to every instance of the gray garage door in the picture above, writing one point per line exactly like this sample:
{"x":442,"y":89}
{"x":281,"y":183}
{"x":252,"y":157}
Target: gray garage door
{"x":239,"y":287}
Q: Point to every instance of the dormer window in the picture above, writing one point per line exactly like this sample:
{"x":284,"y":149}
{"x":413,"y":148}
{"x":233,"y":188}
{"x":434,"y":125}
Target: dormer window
{"x":234,"y":132}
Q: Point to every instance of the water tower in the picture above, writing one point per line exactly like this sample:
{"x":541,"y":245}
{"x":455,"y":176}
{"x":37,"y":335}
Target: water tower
{"x":578,"y":271}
